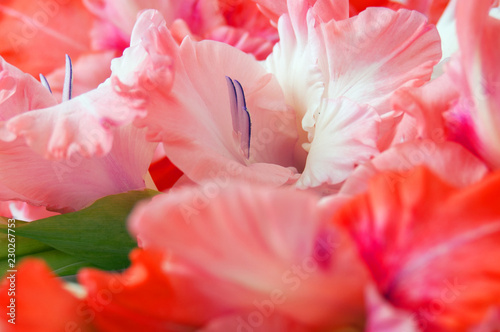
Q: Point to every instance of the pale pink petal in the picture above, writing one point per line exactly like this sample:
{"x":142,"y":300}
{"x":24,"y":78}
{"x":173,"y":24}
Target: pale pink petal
{"x":294,"y":59}
{"x":344,"y":136}
{"x":20,"y":92}
{"x":294,"y":62}
{"x":426,"y":105}
{"x":327,"y":10}
{"x":433,"y":9}
{"x":450,"y":161}
{"x":378,"y":51}
{"x":255,"y":245}
{"x":80,"y":126}
{"x":72,"y":184}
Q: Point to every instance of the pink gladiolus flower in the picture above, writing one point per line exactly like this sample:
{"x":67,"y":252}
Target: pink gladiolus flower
{"x":339,"y":75}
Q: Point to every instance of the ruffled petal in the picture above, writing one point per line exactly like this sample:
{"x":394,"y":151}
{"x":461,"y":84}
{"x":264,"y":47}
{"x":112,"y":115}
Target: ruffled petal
{"x":378,"y":51}
{"x":427,"y":104}
{"x":344,"y":136}
{"x":83,"y":125}
{"x":19,"y":92}
{"x":450,"y":161}
{"x":294,"y":60}
{"x":74,"y":127}
{"x":74,"y":183}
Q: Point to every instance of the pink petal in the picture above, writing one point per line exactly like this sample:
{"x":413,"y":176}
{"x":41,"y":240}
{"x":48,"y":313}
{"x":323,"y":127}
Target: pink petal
{"x":378,"y":51}
{"x":80,"y":126}
{"x":325,"y":9}
{"x":477,"y":32}
{"x":20,"y":92}
{"x":250,"y":240}
{"x":426,"y":105}
{"x":450,"y":161}
{"x":294,"y":61}
{"x":344,"y":136}
{"x":72,"y":184}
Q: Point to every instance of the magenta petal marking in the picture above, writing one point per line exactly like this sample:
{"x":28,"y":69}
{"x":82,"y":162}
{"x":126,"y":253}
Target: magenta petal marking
{"x":239,"y":114}
{"x":45,"y":83}
{"x":68,"y":80}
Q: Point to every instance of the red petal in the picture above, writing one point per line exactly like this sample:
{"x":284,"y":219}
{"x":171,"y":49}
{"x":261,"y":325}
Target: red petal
{"x":41,"y":302}
{"x":432,"y":249}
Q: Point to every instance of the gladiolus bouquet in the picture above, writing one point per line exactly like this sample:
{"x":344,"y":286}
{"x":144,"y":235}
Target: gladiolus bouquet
{"x":250,"y":165}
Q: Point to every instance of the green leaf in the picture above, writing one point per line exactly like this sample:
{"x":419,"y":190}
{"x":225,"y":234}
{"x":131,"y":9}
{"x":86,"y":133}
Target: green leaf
{"x":97,"y":234}
{"x":61,"y":263}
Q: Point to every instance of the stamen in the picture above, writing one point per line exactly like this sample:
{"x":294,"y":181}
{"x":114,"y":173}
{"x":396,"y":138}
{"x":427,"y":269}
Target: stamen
{"x":239,"y":114}
{"x":68,"y":80}
{"x":45,"y":83}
